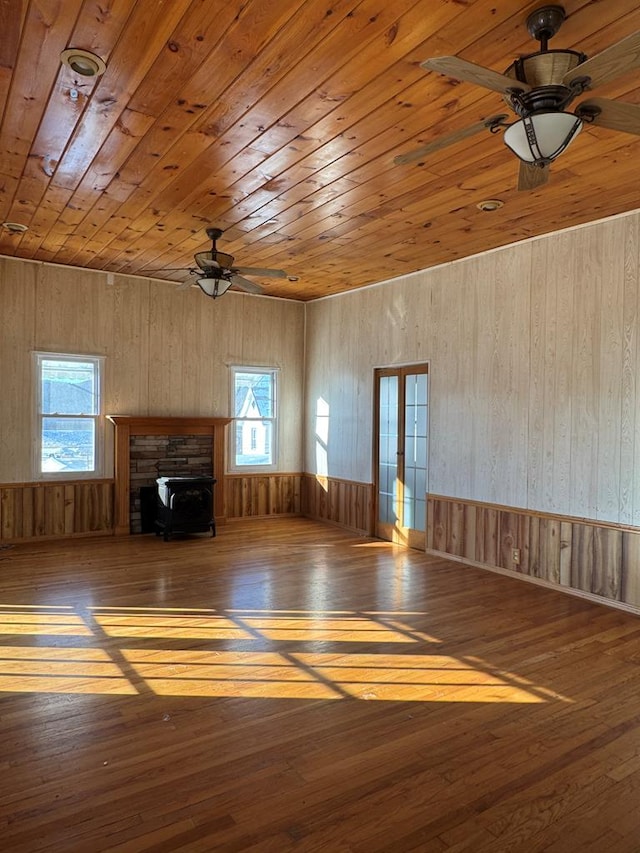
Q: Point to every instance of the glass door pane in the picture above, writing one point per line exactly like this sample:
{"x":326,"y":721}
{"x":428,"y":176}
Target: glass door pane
{"x":388,"y":449}
{"x":415,"y":451}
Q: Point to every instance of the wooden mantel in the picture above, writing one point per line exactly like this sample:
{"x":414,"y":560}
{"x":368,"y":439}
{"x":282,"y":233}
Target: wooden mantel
{"x":128,"y":425}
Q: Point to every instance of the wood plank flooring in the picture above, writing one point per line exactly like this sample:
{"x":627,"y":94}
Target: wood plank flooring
{"x":289,"y":686}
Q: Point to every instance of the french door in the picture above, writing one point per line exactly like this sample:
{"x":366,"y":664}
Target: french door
{"x":402,"y":408}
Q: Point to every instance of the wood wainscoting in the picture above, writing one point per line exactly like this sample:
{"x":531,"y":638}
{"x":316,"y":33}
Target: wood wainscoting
{"x":261,"y":495}
{"x":53,"y":510}
{"x":573,"y":553}
{"x":343,"y":502}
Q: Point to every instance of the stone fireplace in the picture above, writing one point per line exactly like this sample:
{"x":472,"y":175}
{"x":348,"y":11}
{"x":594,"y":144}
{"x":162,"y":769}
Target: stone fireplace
{"x":153,"y":456}
{"x":150,"y":447}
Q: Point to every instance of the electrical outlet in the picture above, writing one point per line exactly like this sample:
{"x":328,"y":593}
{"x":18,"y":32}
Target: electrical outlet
{"x":516,"y":556}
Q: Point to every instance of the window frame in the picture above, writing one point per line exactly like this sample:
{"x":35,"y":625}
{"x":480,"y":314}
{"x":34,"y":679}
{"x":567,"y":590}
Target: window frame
{"x":234,"y":466}
{"x":98,"y":361}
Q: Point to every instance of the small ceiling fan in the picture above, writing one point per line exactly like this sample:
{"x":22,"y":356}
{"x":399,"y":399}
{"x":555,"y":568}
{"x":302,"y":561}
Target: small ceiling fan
{"x":216,"y":272}
{"x":539,"y":87}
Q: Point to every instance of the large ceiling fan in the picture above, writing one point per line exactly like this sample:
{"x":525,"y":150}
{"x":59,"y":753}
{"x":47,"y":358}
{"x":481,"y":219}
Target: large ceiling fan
{"x":216,"y":273}
{"x":539,"y":87}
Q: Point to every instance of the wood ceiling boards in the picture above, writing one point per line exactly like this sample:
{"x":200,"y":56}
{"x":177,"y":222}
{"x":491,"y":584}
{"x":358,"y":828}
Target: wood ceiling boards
{"x":279,"y":122}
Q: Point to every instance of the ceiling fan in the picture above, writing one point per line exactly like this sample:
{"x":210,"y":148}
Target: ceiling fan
{"x":539,"y":87}
{"x":216,"y":273}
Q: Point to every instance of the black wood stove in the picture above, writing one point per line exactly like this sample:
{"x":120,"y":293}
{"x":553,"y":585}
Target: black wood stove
{"x":185,"y":505}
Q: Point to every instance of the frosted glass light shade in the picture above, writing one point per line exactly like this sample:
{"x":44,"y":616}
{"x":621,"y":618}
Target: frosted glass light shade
{"x":214,"y":287}
{"x":541,"y":137}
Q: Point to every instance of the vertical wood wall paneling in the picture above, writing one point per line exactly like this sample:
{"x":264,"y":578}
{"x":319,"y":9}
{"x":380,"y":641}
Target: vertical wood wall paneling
{"x":611,"y":255}
{"x":585,"y":380}
{"x":166,"y":349}
{"x":17,"y":341}
{"x":260,"y":495}
{"x":630,"y":425}
{"x":54,"y":510}
{"x":630,"y":582}
{"x":560,"y":410}
{"x":487,"y":535}
{"x":340,"y":502}
{"x":607,"y":562}
{"x":540,"y":295}
{"x":510,"y":372}
{"x":547,"y":559}
{"x":601,"y":559}
{"x":582,"y":557}
{"x":565,"y":553}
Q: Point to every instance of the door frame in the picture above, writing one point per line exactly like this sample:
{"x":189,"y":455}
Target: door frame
{"x":396,"y":534}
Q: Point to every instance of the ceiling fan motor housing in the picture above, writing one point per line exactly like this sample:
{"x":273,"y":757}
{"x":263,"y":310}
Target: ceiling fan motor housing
{"x":213,"y":259}
{"x":544,"y":72}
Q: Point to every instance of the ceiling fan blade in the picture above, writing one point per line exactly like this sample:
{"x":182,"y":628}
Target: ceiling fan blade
{"x":531,"y":177}
{"x":448,"y":139}
{"x":611,"y":63}
{"x":261,"y":272}
{"x":185,"y":285}
{"x":460,"y":69}
{"x":245,"y":284}
{"x":616,"y":115}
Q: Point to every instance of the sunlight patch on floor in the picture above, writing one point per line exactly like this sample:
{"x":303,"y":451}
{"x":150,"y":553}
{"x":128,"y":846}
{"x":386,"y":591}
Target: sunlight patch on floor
{"x":355,"y":660}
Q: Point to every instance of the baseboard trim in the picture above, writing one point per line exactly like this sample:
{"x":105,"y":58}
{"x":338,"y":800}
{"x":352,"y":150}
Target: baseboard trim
{"x":567,"y":590}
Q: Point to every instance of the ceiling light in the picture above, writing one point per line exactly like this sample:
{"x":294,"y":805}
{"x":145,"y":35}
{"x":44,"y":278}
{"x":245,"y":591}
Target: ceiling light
{"x":539,"y":138}
{"x":15,"y":227}
{"x":214,"y":287}
{"x":490,"y":204}
{"x":83,"y":62}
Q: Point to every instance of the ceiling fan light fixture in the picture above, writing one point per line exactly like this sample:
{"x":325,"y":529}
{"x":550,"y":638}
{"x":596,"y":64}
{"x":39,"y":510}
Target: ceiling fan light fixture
{"x":83,"y":62}
{"x":541,"y":137}
{"x":214,"y":287}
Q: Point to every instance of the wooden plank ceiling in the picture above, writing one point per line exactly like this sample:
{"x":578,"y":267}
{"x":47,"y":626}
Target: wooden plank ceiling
{"x":278,"y":122}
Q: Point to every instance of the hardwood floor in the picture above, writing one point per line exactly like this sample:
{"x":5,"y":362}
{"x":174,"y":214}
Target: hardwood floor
{"x":289,"y":686}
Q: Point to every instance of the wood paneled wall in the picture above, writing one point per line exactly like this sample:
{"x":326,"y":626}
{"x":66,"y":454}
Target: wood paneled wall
{"x":167,"y":351}
{"x":533,"y":357}
{"x":259,"y":495}
{"x":601,"y":559}
{"x":45,"y":511}
{"x":340,"y":502}
{"x":56,"y":510}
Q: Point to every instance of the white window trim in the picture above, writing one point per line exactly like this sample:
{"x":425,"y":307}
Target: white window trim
{"x":254,"y":469}
{"x":98,"y":473}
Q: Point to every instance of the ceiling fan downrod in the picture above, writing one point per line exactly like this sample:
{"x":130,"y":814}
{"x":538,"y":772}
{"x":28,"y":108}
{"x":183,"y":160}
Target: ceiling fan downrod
{"x":544,"y":23}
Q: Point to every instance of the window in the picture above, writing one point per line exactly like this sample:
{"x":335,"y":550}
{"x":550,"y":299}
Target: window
{"x":253,"y":403}
{"x":69,"y":436}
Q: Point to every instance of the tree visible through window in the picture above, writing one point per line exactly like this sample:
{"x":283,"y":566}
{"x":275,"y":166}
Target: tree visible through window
{"x":254,"y":409}
{"x":68,"y":414}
